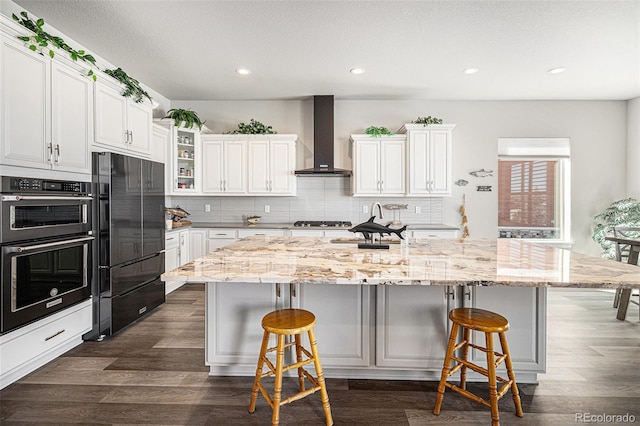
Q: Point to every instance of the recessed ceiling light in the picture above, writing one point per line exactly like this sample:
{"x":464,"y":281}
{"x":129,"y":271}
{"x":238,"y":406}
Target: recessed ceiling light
{"x":471,"y":70}
{"x":557,"y":70}
{"x":243,"y":71}
{"x":356,"y":70}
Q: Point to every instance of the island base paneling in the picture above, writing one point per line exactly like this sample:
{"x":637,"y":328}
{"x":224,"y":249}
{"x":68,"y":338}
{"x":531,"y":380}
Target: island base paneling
{"x":369,"y":331}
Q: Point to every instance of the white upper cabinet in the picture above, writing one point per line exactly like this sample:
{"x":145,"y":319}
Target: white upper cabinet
{"x":429,"y":159}
{"x":160,"y":142}
{"x":271,"y":162}
{"x":45,"y":111}
{"x":71,"y":118}
{"x":379,"y":165}
{"x":121,"y":123}
{"x":224,"y":169}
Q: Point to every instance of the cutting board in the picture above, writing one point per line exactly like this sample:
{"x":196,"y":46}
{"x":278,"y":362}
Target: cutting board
{"x":181,"y":223}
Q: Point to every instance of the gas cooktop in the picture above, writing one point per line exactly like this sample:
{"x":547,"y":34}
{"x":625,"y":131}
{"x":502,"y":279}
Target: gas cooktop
{"x":324,"y":223}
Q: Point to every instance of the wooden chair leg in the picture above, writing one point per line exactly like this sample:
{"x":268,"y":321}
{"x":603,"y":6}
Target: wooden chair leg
{"x":299,"y":359}
{"x":465,"y":353}
{"x":277,"y":387}
{"x":493,"y":386}
{"x":445,"y":368}
{"x":514,"y":387}
{"x":320,"y":376}
{"x":263,"y":353}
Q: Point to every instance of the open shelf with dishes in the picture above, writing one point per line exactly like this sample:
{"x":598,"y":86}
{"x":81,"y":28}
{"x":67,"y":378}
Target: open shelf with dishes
{"x":186,"y":155}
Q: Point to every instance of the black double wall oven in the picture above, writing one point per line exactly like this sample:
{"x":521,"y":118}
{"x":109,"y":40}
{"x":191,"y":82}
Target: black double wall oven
{"x":46,"y":246}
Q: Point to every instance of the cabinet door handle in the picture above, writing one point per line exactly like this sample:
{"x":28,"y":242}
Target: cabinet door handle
{"x":57,"y":160}
{"x":57,"y":333}
{"x":381,"y":185}
{"x":50,"y":149}
{"x":224,"y":185}
{"x":277,"y":289}
{"x":292,"y":289}
{"x":221,"y":186}
{"x":131,"y":140}
{"x":126,"y":137}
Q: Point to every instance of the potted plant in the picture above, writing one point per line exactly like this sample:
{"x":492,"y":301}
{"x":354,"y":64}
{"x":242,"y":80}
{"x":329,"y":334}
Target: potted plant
{"x":425,"y":121}
{"x":253,"y":128}
{"x":625,"y":212}
{"x":185,"y":117}
{"x":376,"y":132}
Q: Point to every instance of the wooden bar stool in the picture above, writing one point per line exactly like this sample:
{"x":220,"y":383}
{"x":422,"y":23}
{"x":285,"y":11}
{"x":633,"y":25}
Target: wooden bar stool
{"x":488,"y":323}
{"x":282,"y":323}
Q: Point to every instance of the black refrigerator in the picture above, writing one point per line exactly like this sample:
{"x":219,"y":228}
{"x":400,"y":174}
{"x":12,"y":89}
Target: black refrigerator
{"x":129,"y":224}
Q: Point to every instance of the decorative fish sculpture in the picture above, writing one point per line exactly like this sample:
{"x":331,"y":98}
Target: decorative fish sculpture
{"x":461,"y":182}
{"x":482,"y":173}
{"x":370,"y":227}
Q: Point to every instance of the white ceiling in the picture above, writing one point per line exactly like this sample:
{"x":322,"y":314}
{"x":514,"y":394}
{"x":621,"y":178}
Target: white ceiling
{"x":189,"y":50}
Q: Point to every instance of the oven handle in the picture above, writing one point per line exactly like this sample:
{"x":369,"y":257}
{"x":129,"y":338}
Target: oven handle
{"x":57,"y":243}
{"x":41,"y":197}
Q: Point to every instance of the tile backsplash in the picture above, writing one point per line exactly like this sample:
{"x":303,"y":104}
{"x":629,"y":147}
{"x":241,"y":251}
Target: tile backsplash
{"x":319,"y":198}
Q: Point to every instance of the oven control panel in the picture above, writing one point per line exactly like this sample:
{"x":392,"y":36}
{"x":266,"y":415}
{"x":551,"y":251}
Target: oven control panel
{"x":19,"y":184}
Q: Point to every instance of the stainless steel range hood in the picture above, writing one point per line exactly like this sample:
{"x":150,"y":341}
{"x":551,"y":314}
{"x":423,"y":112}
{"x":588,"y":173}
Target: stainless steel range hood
{"x":323,"y":140}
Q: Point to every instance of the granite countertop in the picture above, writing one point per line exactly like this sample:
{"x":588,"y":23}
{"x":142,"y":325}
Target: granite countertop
{"x":260,"y":225}
{"x":433,"y":261}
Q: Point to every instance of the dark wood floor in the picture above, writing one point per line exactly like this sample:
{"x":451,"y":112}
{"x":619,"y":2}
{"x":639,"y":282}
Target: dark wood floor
{"x":153,"y":373}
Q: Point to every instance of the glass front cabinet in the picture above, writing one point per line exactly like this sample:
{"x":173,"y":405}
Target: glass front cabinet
{"x":186,"y":155}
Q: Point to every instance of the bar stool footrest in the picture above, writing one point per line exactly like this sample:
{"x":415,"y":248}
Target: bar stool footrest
{"x":461,"y":362}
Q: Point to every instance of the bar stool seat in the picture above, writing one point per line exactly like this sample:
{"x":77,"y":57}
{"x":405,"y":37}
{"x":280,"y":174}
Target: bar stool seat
{"x":488,"y":323}
{"x":282,"y":323}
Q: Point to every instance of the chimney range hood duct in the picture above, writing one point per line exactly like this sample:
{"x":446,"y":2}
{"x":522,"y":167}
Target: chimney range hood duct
{"x":323,"y":140}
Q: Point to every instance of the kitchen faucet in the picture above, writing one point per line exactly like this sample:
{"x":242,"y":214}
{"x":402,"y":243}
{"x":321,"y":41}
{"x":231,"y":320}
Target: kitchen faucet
{"x":373,"y":213}
{"x":373,"y":208}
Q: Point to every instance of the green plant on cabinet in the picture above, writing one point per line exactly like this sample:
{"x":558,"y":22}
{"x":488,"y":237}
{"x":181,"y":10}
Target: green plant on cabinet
{"x":132,"y":88}
{"x":253,"y":128}
{"x":41,"y":40}
{"x":186,"y":118}
{"x":376,"y":132}
{"x":427,"y":120}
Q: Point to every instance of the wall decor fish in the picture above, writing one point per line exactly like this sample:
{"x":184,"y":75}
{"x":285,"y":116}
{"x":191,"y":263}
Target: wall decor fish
{"x":461,"y":182}
{"x":396,"y":206}
{"x":482,"y":173}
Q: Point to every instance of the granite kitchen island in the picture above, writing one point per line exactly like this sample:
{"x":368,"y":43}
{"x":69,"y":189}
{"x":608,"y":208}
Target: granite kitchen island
{"x":383,"y":313}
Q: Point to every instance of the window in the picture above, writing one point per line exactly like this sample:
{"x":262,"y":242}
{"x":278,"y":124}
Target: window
{"x":533,"y":188}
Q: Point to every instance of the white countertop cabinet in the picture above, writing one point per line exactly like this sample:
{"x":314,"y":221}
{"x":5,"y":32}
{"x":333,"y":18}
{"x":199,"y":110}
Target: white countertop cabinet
{"x":429,"y":161}
{"x":121,"y":124}
{"x":379,"y":165}
{"x":46,"y":110}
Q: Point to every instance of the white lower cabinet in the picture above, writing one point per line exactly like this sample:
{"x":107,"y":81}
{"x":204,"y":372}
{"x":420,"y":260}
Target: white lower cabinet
{"x":30,"y":347}
{"x":525,"y":309}
{"x":403,"y":337}
{"x":343,"y":321}
{"x":232,"y":325}
{"x":218,"y":238}
{"x":412,"y":326}
{"x":176,"y":254}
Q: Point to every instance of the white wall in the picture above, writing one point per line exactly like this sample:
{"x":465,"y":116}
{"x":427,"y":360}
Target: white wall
{"x":633,"y":148}
{"x":597,"y":129}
